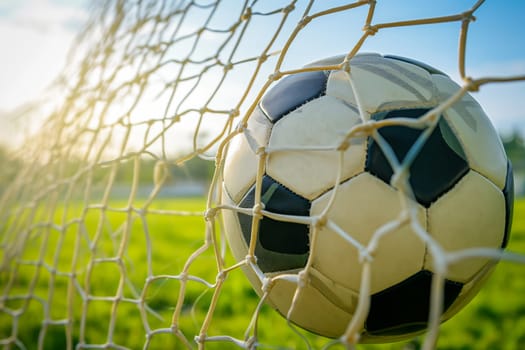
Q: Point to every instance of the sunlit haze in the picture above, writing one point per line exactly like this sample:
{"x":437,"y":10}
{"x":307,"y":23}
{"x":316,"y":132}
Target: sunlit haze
{"x":35,"y":36}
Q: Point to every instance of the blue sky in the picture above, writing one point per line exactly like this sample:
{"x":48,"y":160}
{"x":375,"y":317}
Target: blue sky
{"x":36,"y":34}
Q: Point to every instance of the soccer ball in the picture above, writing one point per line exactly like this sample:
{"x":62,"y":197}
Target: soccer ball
{"x":461,"y":182}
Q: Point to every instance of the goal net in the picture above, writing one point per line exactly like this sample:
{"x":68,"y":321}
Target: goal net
{"x":111,"y":233}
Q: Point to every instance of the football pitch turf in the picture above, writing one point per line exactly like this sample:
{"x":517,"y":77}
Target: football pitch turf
{"x":495,"y":319}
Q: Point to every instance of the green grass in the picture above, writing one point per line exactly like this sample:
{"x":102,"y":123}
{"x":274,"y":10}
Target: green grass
{"x":495,"y":319}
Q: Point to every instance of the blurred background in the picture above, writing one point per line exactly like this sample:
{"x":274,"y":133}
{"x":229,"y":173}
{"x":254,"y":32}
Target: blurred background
{"x":36,"y":36}
{"x":40,"y":50}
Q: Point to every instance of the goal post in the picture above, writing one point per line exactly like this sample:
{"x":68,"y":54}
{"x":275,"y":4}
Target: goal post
{"x":111,"y":230}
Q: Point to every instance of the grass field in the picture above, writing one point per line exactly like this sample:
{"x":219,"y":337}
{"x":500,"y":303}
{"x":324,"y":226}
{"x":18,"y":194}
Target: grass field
{"x":494,"y":320}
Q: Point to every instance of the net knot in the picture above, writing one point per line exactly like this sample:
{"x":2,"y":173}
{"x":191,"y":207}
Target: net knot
{"x":251,"y":342}
{"x":247,"y":14}
{"x":227,"y":67}
{"x":263,"y":58}
{"x":251,"y":259}
{"x":345,"y":66}
{"x":234,"y":112}
{"x":304,"y":21}
{"x":289,"y":8}
{"x":234,"y":27}
{"x":352,"y":338}
{"x":320,"y":222}
{"x":365,"y":255}
{"x":183,"y":276}
{"x":468,"y":16}
{"x":260,"y":151}
{"x":174,"y":328}
{"x":257,"y":210}
{"x":241,"y":127}
{"x":399,"y":179}
{"x":221,"y":276}
{"x":303,"y":278}
{"x":471,"y":84}
{"x":275,"y":76}
{"x":210,"y":214}
{"x":370,"y":30}
{"x":267,"y":284}
{"x":200,"y":339}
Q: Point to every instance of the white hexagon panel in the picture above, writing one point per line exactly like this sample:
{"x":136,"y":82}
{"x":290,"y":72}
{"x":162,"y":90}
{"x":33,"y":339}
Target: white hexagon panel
{"x":470,"y":215}
{"x":362,"y":206}
{"x":309,"y":136}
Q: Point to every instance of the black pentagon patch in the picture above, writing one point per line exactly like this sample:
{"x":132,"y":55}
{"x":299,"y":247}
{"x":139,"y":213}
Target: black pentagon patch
{"x":508,"y":192}
{"x":439,"y":165}
{"x":281,"y":245}
{"x":404,"y":308}
{"x":425,"y":66}
{"x":291,"y":92}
